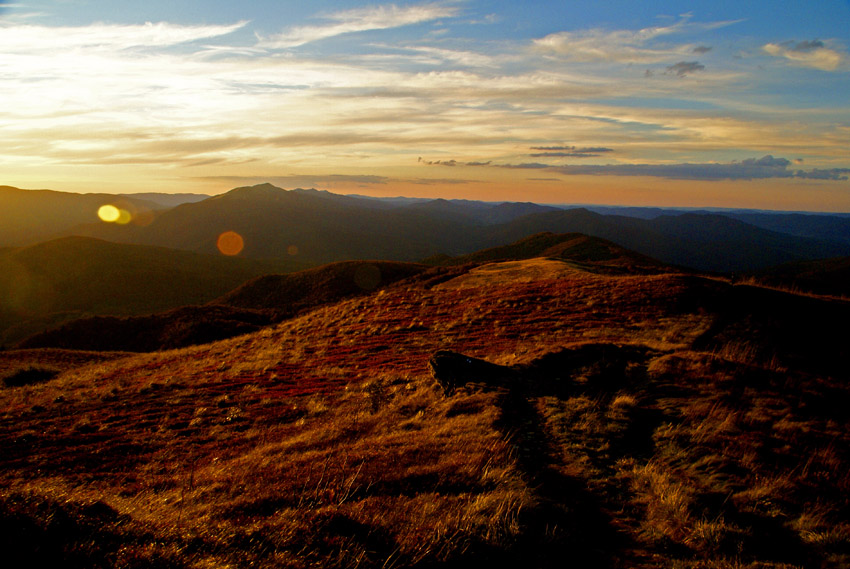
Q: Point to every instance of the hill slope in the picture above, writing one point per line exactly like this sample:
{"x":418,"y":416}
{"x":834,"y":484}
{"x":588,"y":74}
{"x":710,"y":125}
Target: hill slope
{"x":259,"y":302}
{"x":824,"y":276}
{"x":71,"y":277}
{"x":616,"y":421}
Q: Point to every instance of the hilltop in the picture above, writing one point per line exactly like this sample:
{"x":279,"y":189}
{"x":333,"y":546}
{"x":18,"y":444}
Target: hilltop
{"x":619,"y":420}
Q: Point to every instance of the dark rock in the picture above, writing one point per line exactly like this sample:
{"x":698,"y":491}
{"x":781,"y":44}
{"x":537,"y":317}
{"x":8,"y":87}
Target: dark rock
{"x":453,"y":370}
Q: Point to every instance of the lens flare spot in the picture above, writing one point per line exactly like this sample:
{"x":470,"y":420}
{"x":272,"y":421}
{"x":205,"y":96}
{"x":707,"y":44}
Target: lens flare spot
{"x":292,"y":250}
{"x":230,"y":243}
{"x":124,"y":217}
{"x":109,"y":213}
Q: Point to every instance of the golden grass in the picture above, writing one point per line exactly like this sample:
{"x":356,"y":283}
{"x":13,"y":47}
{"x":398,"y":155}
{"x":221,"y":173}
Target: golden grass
{"x":322,"y":441}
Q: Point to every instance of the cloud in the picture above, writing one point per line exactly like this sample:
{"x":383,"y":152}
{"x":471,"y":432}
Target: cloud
{"x":361,"y":20}
{"x":702,"y":49}
{"x":806,"y":45}
{"x":808,"y":53}
{"x":749,"y":169}
{"x":765,"y":167}
{"x":684,"y":68}
{"x":451,"y":163}
{"x":106,"y":37}
{"x":623,"y":46}
{"x":569,"y":151}
{"x":821,"y":174}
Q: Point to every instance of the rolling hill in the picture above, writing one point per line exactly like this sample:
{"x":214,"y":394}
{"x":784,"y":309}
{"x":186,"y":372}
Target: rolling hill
{"x":276,"y":297}
{"x":48,"y":283}
{"x":600,"y":419}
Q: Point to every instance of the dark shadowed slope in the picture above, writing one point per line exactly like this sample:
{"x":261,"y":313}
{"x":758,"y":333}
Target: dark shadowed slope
{"x":181,"y":327}
{"x":259,"y":302}
{"x":71,"y":277}
{"x":825,"y":276}
{"x":290,"y":293}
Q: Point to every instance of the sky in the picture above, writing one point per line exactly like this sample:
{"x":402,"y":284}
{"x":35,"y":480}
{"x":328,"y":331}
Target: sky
{"x":686,"y":104}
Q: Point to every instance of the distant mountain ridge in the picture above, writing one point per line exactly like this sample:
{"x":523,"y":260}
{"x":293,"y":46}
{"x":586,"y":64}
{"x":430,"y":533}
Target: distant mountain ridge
{"x":316,"y":227}
{"x":592,"y":253}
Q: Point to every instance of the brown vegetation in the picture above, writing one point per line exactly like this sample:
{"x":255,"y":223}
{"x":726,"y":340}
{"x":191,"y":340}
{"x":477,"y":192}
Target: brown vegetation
{"x":643,"y":430}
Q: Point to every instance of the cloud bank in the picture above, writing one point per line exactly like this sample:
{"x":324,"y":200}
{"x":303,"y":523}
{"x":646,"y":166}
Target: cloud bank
{"x":750,"y":169}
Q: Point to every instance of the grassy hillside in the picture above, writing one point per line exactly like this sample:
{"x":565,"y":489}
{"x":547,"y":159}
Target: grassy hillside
{"x":51,"y":282}
{"x":626,"y":421}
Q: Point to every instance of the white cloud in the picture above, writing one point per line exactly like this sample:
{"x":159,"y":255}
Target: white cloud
{"x":361,"y":20}
{"x":43,"y":39}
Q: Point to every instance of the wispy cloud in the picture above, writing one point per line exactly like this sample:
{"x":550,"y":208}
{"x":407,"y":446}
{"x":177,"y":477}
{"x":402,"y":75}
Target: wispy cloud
{"x":361,"y":20}
{"x":623,"y":46}
{"x":569,"y":151}
{"x":809,"y":53}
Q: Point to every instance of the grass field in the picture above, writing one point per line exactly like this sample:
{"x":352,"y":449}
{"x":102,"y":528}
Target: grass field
{"x":652,"y":424}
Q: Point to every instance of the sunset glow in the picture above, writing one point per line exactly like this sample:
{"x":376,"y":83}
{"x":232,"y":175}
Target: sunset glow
{"x":609,"y":103}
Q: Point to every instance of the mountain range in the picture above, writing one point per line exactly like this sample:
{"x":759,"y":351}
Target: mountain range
{"x":316,"y":227}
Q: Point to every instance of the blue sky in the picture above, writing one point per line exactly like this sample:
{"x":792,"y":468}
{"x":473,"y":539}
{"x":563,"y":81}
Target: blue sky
{"x":738,"y":104}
